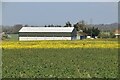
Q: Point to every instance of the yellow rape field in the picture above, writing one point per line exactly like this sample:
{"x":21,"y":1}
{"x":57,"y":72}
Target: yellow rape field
{"x":60,"y":59}
{"x":59,"y":44}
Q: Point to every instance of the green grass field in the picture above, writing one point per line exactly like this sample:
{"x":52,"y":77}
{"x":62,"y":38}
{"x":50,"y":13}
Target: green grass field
{"x":60,"y":62}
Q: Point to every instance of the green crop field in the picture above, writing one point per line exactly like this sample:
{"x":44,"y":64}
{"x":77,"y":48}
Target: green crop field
{"x":62,"y":59}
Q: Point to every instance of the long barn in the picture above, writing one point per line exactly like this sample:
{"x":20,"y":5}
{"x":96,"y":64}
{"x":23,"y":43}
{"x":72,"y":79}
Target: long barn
{"x":47,"y":33}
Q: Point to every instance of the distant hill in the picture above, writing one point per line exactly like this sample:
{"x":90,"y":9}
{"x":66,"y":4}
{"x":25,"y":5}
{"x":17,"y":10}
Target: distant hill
{"x":105,"y":27}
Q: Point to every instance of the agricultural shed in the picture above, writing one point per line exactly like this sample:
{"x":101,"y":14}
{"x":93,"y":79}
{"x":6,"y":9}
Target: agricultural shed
{"x":47,"y":33}
{"x":117,"y":33}
{"x":81,"y":35}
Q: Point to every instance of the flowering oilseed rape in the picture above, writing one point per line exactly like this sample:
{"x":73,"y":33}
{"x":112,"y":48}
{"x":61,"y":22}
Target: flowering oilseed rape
{"x":60,"y":44}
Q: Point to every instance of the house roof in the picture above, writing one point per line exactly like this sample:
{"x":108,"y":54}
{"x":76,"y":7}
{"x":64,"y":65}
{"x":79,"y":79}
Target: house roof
{"x":117,"y":32}
{"x":81,"y":33}
{"x":46,"y":29}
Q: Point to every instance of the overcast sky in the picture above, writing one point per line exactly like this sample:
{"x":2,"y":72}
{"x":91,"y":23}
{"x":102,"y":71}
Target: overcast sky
{"x":39,"y":13}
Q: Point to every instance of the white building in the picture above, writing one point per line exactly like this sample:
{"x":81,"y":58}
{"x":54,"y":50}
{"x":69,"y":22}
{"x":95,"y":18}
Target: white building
{"x":117,"y":33}
{"x":47,"y":33}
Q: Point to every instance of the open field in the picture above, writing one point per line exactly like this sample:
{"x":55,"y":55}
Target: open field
{"x":60,"y":44}
{"x":77,"y":59}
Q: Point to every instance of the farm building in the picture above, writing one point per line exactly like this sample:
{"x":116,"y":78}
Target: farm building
{"x":81,"y":35}
{"x":47,"y":33}
{"x":117,"y":33}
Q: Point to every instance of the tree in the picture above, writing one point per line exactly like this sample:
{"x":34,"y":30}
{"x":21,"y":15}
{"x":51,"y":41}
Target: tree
{"x":26,"y":25}
{"x":112,"y":35}
{"x":68,"y":24}
{"x":79,"y":25}
{"x":103,"y":35}
{"x":17,"y":27}
{"x":92,"y":31}
{"x":45,"y":26}
{"x":96,"y":31}
{"x":7,"y":29}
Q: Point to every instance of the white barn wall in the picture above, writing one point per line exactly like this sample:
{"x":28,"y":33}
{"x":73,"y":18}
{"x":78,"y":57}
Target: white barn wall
{"x":43,"y":38}
{"x":46,"y":33}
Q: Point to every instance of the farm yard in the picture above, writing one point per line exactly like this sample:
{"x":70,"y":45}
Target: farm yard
{"x":62,"y":59}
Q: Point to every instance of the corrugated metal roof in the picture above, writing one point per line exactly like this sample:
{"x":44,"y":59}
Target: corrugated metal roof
{"x":46,"y":29}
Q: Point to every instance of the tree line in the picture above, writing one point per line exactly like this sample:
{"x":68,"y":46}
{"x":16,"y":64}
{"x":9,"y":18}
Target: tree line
{"x":78,"y":26}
